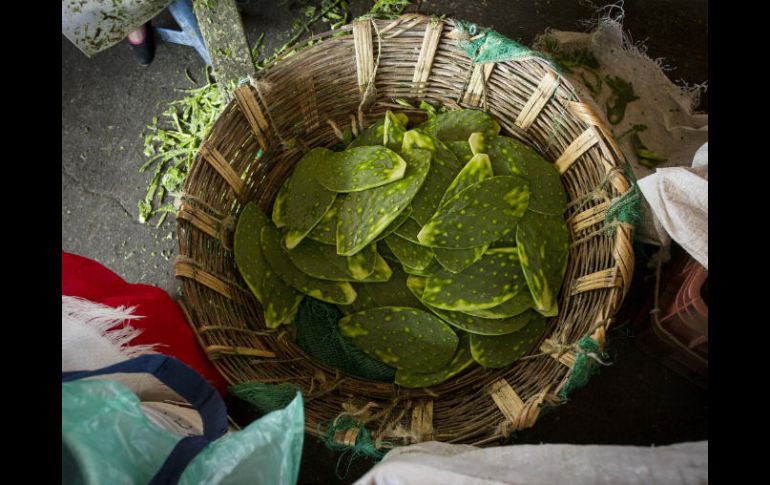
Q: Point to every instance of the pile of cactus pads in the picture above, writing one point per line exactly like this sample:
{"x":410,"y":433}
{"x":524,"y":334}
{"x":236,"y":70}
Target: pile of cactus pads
{"x":443,"y":245}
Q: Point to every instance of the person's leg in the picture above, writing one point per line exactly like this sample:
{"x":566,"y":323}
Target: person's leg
{"x":142,"y":44}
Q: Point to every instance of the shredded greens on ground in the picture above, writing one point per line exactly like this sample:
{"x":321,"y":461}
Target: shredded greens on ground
{"x":171,"y":144}
{"x":389,"y":7}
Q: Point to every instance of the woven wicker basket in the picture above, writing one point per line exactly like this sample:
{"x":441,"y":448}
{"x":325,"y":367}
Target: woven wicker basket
{"x":351,"y":76}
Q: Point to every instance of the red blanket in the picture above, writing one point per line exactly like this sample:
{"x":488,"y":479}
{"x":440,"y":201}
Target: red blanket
{"x":163,"y":321}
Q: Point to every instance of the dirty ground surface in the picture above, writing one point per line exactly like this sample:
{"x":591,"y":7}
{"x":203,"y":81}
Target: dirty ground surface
{"x":107,"y":101}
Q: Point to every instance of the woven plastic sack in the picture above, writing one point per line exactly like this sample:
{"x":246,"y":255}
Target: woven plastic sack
{"x":106,"y":438}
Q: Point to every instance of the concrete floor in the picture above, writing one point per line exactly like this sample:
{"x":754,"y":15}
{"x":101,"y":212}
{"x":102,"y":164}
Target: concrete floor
{"x":108,"y":100}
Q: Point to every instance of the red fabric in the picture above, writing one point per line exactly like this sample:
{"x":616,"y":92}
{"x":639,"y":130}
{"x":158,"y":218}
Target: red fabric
{"x":164,"y":322}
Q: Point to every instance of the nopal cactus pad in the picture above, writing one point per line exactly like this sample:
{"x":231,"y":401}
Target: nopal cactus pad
{"x":394,"y":226}
{"x":408,"y":253}
{"x":501,"y":350}
{"x":443,"y":169}
{"x":409,"y":230}
{"x":488,"y":282}
{"x":279,"y":205}
{"x":477,"y":169}
{"x":388,"y":132}
{"x":466,"y":322}
{"x":393,"y":292}
{"x":279,"y":301}
{"x":322,"y":261}
{"x":360,"y":266}
{"x":402,"y":337}
{"x":480,"y":214}
{"x":484,"y":326}
{"x":248,"y":248}
{"x":543,"y":246}
{"x":382,"y":271}
{"x":460,"y":361}
{"x":341,"y":293}
{"x":461,"y":149}
{"x":306,"y":200}
{"x":325,"y":231}
{"x":520,"y":302}
{"x":457,"y":260}
{"x":364,"y":215}
{"x":511,"y":157}
{"x":458,"y":125}
{"x":359,"y":168}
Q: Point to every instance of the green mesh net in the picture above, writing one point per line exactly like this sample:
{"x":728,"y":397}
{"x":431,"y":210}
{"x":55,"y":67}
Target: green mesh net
{"x":265,"y":397}
{"x":485,"y":45}
{"x":363,"y":447}
{"x":626,"y":208}
{"x":319,"y":336}
{"x":587,"y":358}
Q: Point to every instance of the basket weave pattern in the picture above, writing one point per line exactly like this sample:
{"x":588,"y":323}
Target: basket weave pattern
{"x":351,"y":78}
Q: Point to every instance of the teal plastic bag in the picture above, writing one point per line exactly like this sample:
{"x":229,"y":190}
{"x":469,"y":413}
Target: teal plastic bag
{"x":106,"y":438}
{"x":267,"y":451}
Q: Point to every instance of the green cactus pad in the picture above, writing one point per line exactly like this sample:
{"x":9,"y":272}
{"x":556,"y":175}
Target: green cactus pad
{"x":387,"y":254}
{"x":365,"y":215}
{"x":409,"y":230}
{"x":325,"y":231}
{"x":433,"y":269}
{"x":457,"y":260}
{"x":477,"y":144}
{"x":247,"y":248}
{"x":480,"y":214}
{"x":460,"y":361}
{"x":511,"y":157}
{"x":402,"y":218}
{"x":498,"y":351}
{"x":443,"y":169}
{"x":360,"y":266}
{"x":477,"y":169}
{"x":521,"y":302}
{"x":484,"y":326}
{"x":362,"y":302}
{"x":543,"y":246}
{"x":372,"y":135}
{"x":279,"y":301}
{"x":279,"y":205}
{"x":394,"y":129}
{"x":409,"y":253}
{"x":458,"y":125}
{"x":322,"y":261}
{"x":306,"y":200}
{"x":359,"y":168}
{"x":402,"y":337}
{"x":393,"y":292}
{"x":394,"y":123}
{"x":507,"y":241}
{"x":382,"y":271}
{"x":461,"y":149}
{"x":490,"y":281}
{"x":338,"y":292}
{"x":466,"y":322}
